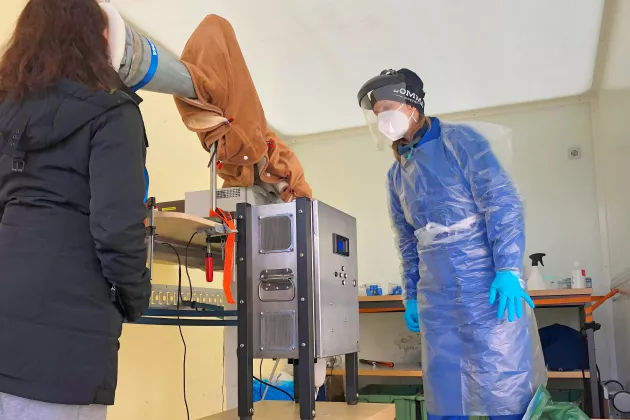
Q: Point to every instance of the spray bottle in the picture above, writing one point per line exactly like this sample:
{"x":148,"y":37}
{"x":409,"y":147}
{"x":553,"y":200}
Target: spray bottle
{"x":535,"y":280}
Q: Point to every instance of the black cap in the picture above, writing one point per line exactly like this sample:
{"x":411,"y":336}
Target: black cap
{"x":402,"y":86}
{"x":412,"y":80}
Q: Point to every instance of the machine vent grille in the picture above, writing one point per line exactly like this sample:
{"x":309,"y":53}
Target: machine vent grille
{"x":229,"y":193}
{"x":277,"y":331}
{"x":275,"y":234}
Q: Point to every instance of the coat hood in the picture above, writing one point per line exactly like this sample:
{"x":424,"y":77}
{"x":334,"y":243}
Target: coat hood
{"x":53,"y":114}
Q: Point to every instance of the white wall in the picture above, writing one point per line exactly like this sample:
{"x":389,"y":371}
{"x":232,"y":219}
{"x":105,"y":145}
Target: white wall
{"x":613,"y":144}
{"x":614,"y":139}
{"x":560,"y":201}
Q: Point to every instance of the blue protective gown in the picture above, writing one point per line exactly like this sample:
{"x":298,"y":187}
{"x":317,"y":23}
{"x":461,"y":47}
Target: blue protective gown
{"x":458,"y":219}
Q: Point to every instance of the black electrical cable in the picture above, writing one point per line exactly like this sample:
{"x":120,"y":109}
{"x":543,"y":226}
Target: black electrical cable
{"x":186,"y":264}
{"x":181,"y":333}
{"x":275,"y":387}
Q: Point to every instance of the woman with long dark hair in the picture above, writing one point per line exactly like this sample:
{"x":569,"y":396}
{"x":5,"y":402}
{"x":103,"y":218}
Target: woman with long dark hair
{"x":72,"y":250}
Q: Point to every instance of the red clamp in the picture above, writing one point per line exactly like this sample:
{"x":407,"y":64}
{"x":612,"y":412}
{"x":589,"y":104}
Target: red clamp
{"x":209,"y":261}
{"x":230,"y":120}
{"x":209,"y":269}
{"x":271,"y":143}
{"x":219,"y":164}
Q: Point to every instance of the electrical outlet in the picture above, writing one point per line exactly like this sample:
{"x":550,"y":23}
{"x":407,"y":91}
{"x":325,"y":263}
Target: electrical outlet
{"x":575,"y":153}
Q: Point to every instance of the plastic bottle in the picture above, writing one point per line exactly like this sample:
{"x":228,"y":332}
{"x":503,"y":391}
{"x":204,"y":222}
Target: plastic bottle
{"x":578,"y":277}
{"x":535,"y":280}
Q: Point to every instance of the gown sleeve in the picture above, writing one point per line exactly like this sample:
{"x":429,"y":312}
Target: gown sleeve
{"x":405,"y":241}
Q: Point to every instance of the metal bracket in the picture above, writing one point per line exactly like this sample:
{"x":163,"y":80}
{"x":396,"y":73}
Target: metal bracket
{"x":219,"y":230}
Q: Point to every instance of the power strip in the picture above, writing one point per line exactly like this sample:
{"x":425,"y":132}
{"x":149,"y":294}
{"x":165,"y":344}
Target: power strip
{"x":165,"y":296}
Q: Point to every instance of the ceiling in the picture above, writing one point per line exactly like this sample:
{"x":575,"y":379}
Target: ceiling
{"x":308,"y":58}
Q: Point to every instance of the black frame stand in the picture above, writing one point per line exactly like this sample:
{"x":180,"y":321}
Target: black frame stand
{"x":306,"y":333}
{"x":591,"y":387}
{"x":245,"y":350}
{"x":352,"y":378}
{"x":303,"y":368}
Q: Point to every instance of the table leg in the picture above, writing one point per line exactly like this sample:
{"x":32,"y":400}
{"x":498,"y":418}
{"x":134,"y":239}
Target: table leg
{"x":593,"y":407}
{"x":352,"y":378}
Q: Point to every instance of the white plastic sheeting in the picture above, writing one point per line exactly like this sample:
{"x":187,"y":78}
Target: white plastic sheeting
{"x":308,"y":58}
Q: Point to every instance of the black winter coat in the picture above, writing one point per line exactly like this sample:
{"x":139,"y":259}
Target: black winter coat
{"x":71,"y":227}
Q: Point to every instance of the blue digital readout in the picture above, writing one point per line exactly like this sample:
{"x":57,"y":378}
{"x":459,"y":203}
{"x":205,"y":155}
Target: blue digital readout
{"x":341,"y":245}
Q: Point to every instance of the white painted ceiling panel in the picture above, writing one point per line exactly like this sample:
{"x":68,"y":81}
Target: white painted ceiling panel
{"x":308,"y":58}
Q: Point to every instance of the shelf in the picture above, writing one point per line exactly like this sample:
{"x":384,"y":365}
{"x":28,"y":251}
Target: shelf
{"x":406,"y":370}
{"x":568,"y":375}
{"x":176,"y":229}
{"x":560,"y":293}
{"x":542,"y":298}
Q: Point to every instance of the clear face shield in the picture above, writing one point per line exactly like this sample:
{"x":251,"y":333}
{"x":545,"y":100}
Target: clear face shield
{"x":385,"y":103}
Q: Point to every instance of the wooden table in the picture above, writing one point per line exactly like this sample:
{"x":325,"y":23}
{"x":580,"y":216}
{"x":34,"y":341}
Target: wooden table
{"x":542,"y":298}
{"x":288,"y":410}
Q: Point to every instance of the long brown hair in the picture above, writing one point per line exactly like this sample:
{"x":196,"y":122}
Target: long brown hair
{"x":425,"y":120}
{"x":57,"y":39}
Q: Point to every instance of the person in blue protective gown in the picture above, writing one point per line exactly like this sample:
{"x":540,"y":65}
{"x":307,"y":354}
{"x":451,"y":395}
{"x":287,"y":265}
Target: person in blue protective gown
{"x":459,"y":228}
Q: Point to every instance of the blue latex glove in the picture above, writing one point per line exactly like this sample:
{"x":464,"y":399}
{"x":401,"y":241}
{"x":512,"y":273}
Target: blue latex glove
{"x":507,"y":285}
{"x":411,"y":316}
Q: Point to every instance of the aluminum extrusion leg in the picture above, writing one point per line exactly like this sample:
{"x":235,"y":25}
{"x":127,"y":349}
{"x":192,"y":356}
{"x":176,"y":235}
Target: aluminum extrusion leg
{"x":245,"y":312}
{"x":213,"y":176}
{"x":306,"y":334}
{"x":352,"y":378}
{"x":296,"y":380}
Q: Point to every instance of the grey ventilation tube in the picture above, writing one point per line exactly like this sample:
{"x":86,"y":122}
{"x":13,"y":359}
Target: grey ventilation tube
{"x":147,"y":66}
{"x":141,"y":63}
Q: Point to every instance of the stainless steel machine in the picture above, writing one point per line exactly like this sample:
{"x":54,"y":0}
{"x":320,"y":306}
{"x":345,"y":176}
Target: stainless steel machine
{"x":297,"y":293}
{"x":273,"y":249}
{"x":333,"y":243}
{"x":333,"y":240}
{"x":297,"y":286}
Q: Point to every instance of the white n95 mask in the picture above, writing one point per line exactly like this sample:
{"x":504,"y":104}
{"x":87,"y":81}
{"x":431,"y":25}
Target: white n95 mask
{"x":394,"y":124}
